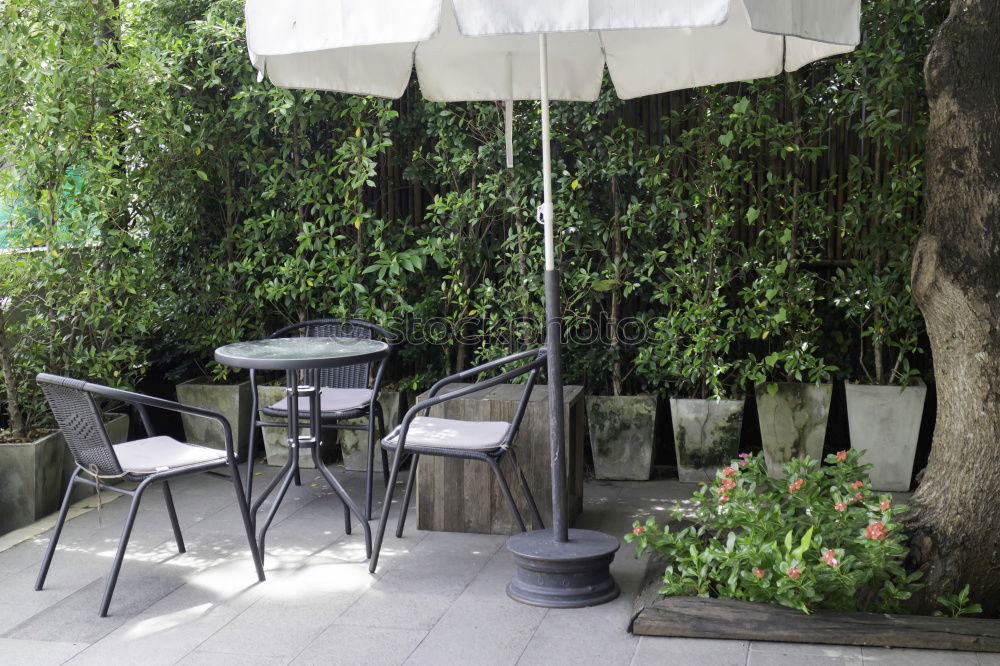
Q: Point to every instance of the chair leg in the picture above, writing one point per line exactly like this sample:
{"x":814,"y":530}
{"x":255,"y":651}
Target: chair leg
{"x":539,"y":525}
{"x":384,"y":518}
{"x":506,"y":493}
{"x":56,"y":531}
{"x":241,"y":501}
{"x":269,"y":488}
{"x":414,"y":458}
{"x":173,"y":517}
{"x":116,"y":567}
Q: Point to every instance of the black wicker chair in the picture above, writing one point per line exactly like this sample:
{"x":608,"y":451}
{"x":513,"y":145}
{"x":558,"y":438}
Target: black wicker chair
{"x":419,"y":435}
{"x":145,"y":461}
{"x":345,"y":393}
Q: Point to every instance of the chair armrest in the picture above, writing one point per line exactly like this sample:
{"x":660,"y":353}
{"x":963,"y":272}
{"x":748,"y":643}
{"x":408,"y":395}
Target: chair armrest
{"x":472,"y":372}
{"x":425,"y":404}
{"x":142,"y":401}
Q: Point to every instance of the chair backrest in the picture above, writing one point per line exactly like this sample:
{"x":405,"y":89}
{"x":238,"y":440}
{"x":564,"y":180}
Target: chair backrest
{"x":348,"y":376}
{"x":82,"y":425}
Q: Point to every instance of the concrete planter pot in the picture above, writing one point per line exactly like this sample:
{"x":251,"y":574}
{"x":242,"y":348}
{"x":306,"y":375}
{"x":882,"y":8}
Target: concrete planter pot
{"x":884,"y":422}
{"x":276,"y":438}
{"x":792,"y":422}
{"x":30,"y":480}
{"x":231,"y":400}
{"x":354,"y":443}
{"x":621,"y":435}
{"x":706,"y":436}
{"x":117,"y":428}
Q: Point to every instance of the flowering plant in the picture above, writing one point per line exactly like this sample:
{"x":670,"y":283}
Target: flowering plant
{"x":816,"y":538}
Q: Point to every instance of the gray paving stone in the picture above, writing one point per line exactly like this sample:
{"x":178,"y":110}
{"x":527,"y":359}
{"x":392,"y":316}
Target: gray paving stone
{"x":763,"y":653}
{"x":989,"y":658}
{"x":37,"y":653}
{"x":655,"y":650}
{"x":581,"y":649}
{"x":905,"y":657}
{"x":75,"y":618}
{"x":207,"y":658}
{"x":374,"y":646}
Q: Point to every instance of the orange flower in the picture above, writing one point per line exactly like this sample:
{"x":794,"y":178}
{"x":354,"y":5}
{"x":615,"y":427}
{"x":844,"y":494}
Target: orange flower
{"x":857,"y":497}
{"x":794,"y":572}
{"x":795,"y":486}
{"x":884,"y":505}
{"x":830,"y":557}
{"x":856,"y":485}
{"x":723,"y":499}
{"x":728,"y":471}
{"x":876,"y":531}
{"x":638,"y":529}
{"x":841,"y":456}
{"x":728,"y":484}
{"x":840,"y":506}
{"x":759,"y":573}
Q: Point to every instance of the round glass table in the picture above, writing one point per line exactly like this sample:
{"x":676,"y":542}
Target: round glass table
{"x":302,"y":359}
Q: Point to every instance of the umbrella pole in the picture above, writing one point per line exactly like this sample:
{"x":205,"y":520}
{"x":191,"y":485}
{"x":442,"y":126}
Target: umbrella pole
{"x":561,"y":568}
{"x":553,"y":317}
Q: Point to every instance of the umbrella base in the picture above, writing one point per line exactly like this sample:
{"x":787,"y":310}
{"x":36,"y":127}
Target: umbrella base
{"x":569,"y":574}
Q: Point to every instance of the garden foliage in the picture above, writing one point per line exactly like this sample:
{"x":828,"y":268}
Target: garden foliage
{"x":817,"y":537}
{"x":163,"y":201}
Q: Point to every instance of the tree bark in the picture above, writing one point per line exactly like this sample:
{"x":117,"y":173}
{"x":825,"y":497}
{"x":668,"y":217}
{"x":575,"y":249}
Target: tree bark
{"x":955,"y":521}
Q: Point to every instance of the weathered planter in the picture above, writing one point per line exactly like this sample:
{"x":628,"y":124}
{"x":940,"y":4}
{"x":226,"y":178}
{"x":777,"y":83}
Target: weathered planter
{"x":706,"y":436}
{"x":792,"y":422}
{"x":30,"y":480}
{"x":884,"y":422}
{"x":354,"y":443}
{"x":231,"y":400}
{"x":117,"y":429}
{"x":276,"y":438}
{"x":621,"y":435}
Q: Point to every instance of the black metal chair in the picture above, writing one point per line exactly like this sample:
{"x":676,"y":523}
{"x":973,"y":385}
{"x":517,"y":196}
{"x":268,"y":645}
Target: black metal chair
{"x":419,"y":434}
{"x":146,"y":461}
{"x":344,"y":394}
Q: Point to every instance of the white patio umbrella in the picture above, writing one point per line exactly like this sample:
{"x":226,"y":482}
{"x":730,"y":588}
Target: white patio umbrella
{"x":473,"y":50}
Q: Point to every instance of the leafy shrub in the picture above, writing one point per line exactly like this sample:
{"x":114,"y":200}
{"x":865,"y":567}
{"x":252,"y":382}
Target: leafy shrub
{"x":816,"y":538}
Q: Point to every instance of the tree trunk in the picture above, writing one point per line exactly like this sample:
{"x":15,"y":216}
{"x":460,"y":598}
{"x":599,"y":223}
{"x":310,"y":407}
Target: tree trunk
{"x":956,"y":281}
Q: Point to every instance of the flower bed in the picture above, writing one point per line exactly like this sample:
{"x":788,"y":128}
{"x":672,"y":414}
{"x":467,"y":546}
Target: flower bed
{"x":816,"y":538}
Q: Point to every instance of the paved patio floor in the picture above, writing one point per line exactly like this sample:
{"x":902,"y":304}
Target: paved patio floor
{"x":437,"y":598}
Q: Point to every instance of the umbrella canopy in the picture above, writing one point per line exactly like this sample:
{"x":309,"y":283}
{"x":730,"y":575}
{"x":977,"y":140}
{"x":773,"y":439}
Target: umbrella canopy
{"x":474,"y":50}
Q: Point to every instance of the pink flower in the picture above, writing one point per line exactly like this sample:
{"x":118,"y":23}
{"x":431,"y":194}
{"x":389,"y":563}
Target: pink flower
{"x":743,"y":459}
{"x":728,"y":484}
{"x":728,"y":471}
{"x":830,"y":557}
{"x":841,"y":456}
{"x":884,"y":505}
{"x":638,"y":529}
{"x":794,"y":572}
{"x":723,"y":499}
{"x":759,"y":573}
{"x":856,"y":485}
{"x":795,"y":485}
{"x":840,"y":506}
{"x":876,"y":531}
{"x":857,"y":497}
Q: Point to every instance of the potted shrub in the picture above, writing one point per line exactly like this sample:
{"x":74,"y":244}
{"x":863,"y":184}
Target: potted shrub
{"x":622,"y":427}
{"x":885,"y":400}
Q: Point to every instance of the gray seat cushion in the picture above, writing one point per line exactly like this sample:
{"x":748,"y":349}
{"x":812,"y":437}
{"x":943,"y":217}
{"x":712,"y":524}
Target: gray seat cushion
{"x":158,"y":454}
{"x":330,"y":400}
{"x":436,"y":433}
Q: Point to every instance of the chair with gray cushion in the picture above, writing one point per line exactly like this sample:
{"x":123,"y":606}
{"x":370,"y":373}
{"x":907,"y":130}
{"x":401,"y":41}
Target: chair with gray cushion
{"x":489,"y":441}
{"x":143,"y":461}
{"x":344,"y":393}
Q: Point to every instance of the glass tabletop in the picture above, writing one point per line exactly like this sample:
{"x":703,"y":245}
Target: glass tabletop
{"x":298,"y":353}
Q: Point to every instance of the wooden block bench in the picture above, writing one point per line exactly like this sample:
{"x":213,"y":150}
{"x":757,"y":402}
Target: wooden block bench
{"x":455,"y":495}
